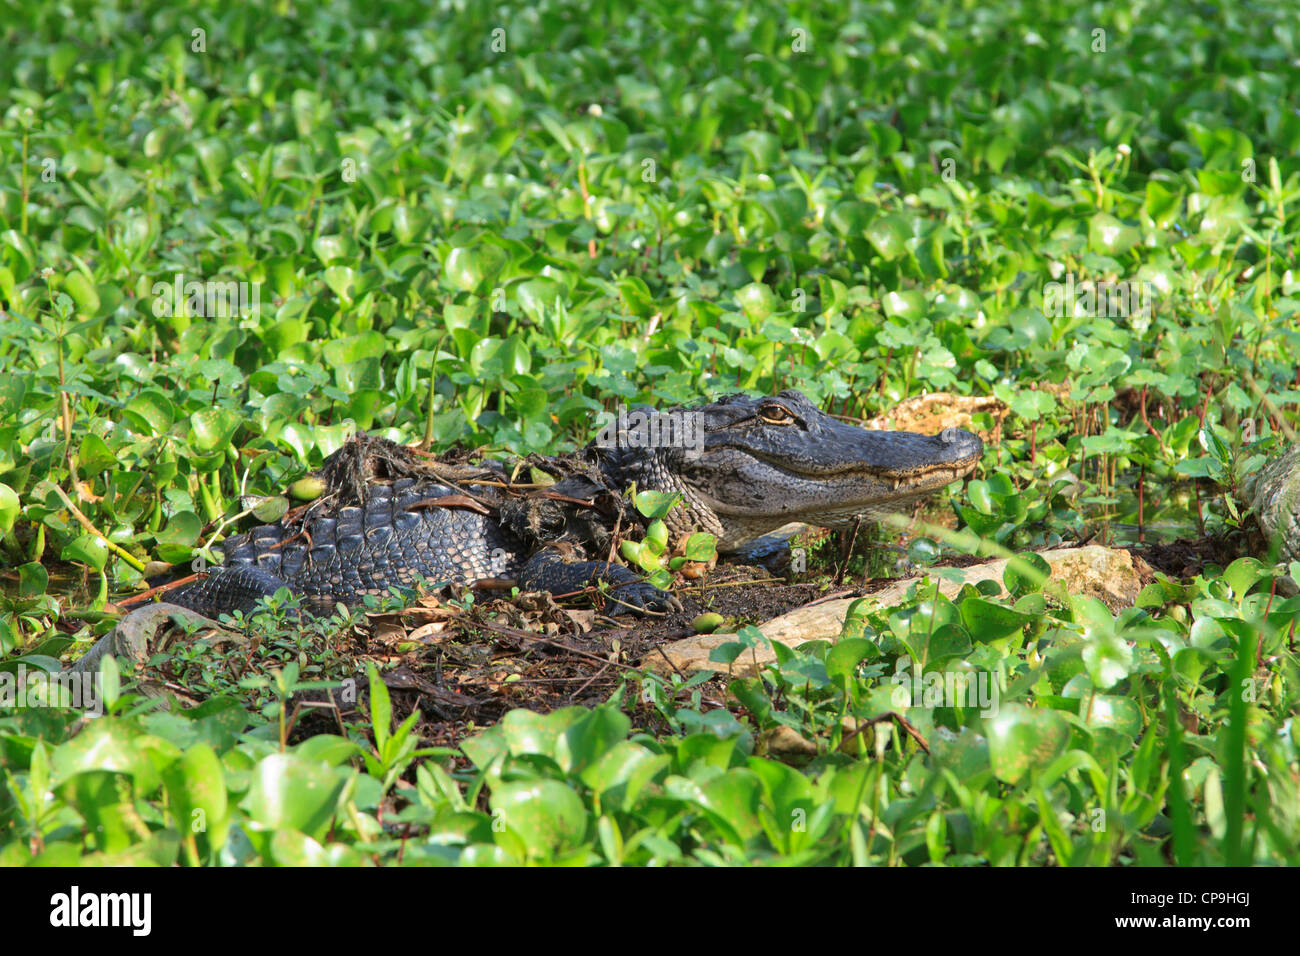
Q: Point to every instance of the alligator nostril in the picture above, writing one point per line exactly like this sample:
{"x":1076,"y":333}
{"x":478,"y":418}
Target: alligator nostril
{"x":961,"y":442}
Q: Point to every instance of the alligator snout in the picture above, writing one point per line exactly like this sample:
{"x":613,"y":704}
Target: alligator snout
{"x":910,"y":455}
{"x":961,"y":444}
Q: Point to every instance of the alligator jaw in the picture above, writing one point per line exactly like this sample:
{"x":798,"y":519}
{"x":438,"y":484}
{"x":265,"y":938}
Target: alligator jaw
{"x":770,"y":461}
{"x":869,"y":492}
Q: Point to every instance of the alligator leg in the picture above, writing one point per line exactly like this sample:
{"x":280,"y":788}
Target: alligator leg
{"x":549,"y":570}
{"x":228,"y":589}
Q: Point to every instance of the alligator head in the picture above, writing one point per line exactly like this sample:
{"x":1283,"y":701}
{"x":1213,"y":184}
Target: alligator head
{"x":746,"y":466}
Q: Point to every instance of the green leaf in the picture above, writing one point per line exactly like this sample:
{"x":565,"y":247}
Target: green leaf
{"x":33,"y":580}
{"x":904,"y":305}
{"x":1023,"y":739}
{"x":288,"y":792}
{"x":1108,"y":660}
{"x":590,"y":737}
{"x":700,"y":546}
{"x":10,"y":508}
{"x":756,"y":301}
{"x":889,"y":235}
{"x":110,"y":746}
{"x":843,"y":658}
{"x":213,"y":428}
{"x":547,"y":816}
{"x":91,"y":550}
{"x":104,"y":800}
{"x":196,"y":787}
{"x":381,"y":709}
{"x":988,"y":621}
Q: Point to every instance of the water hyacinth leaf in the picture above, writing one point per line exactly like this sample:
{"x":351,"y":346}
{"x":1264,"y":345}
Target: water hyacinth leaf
{"x":756,"y":300}
{"x":151,"y":411}
{"x":842,"y":659}
{"x":300,"y":438}
{"x":1022,"y":739}
{"x":334,"y":249}
{"x":13,"y":389}
{"x":763,"y":148}
{"x":466,"y":269}
{"x":214,"y":159}
{"x":980,"y":496}
{"x":1243,"y":574}
{"x":107,"y":746}
{"x":104,"y":801}
{"x":905,"y":305}
{"x":343,"y":281}
{"x":889,"y":235}
{"x":330,"y":438}
{"x":850,"y":218}
{"x":965,"y":753}
{"x":732,"y":800}
{"x":546,"y":815}
{"x":1119,"y":713}
{"x":654,"y":504}
{"x":94,"y":455}
{"x":621,"y":773}
{"x":1026,"y":572}
{"x":288,"y":792}
{"x":1108,"y":235}
{"x":1108,"y":659}
{"x":636,"y":296}
{"x":356,"y":348}
{"x":196,"y":786}
{"x":33,"y":579}
{"x":291,"y":848}
{"x":988,"y":621}
{"x":270,"y":510}
{"x":83,"y":292}
{"x":409,"y":223}
{"x":176,"y":540}
{"x":10,"y":508}
{"x":213,"y":428}
{"x":527,"y":733}
{"x":590,"y":737}
{"x":701,"y":547}
{"x":538,"y":296}
{"x":89,"y":549}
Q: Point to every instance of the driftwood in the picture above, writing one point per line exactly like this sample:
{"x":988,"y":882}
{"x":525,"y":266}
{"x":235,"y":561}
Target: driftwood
{"x":1105,"y":573}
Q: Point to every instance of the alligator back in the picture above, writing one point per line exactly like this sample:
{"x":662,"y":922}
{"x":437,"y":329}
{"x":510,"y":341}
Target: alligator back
{"x":400,"y":532}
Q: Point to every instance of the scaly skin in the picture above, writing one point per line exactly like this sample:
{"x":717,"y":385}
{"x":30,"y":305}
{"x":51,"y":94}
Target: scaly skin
{"x":1274,"y":494}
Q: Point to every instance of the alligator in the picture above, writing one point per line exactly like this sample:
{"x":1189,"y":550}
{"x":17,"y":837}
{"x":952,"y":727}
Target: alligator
{"x":1274,"y":495}
{"x":742,"y":467}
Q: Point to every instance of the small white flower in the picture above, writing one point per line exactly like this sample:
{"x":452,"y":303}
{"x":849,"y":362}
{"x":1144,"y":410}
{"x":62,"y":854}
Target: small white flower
{"x":1123,"y":149}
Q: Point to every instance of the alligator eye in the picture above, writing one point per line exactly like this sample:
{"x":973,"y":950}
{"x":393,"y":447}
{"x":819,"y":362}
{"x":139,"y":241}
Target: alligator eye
{"x":775,"y":415}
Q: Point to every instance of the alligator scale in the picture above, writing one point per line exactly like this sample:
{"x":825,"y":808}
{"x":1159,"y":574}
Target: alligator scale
{"x":748,"y":467}
{"x":1274,"y":494}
